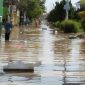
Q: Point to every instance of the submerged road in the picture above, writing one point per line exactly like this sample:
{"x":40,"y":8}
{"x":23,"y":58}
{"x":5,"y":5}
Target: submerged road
{"x":62,"y":61}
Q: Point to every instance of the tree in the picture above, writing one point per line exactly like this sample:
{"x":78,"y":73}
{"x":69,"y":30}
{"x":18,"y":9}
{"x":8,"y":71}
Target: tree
{"x":58,"y":13}
{"x":82,"y":5}
{"x":71,"y":11}
{"x":32,"y":8}
{"x":82,"y":14}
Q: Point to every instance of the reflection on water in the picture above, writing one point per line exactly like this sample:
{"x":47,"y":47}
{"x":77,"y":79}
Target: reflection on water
{"x":62,"y":60}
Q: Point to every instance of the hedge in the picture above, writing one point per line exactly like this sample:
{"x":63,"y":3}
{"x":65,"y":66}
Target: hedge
{"x":70,"y":26}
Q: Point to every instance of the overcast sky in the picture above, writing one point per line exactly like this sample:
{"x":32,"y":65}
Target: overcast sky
{"x":50,"y":4}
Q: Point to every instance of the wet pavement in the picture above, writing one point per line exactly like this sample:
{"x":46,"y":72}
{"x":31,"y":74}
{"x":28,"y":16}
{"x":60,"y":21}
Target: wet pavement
{"x":62,"y":60}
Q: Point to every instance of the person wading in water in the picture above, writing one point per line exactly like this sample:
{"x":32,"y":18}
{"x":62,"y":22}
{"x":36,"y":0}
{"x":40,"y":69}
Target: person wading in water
{"x":8,"y":27}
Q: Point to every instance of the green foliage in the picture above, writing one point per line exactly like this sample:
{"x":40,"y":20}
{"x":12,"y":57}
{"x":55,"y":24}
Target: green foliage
{"x":5,"y":11}
{"x":82,"y":18}
{"x":82,"y":2}
{"x":70,"y":26}
{"x":83,"y":24}
{"x":58,"y":13}
{"x":76,"y":17}
{"x":81,"y":14}
{"x":71,"y":11}
{"x":32,"y":8}
{"x":82,"y":5}
{"x":57,"y":24}
{"x":1,"y":7}
{"x":52,"y":16}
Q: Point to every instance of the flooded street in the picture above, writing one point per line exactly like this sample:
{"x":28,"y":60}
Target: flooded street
{"x":62,"y":60}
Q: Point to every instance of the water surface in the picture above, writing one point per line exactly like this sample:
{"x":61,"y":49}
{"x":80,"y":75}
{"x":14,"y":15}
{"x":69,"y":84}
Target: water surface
{"x":62,"y":60}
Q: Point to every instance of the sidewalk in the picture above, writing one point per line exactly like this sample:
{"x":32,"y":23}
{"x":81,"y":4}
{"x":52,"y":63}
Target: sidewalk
{"x":19,"y":31}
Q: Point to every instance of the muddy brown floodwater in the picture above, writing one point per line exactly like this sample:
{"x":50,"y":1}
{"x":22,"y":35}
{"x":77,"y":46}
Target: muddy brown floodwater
{"x":62,"y":60}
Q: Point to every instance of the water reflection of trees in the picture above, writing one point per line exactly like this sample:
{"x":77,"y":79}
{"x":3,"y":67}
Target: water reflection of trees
{"x":61,"y":47}
{"x":82,"y":50}
{"x":60,"y":50}
{"x":68,"y":53}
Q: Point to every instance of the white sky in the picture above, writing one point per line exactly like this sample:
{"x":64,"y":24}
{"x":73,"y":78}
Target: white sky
{"x":50,"y":4}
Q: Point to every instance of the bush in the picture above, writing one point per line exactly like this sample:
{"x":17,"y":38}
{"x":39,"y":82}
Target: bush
{"x":81,"y":14}
{"x":83,"y":24}
{"x":57,"y":24}
{"x":70,"y":26}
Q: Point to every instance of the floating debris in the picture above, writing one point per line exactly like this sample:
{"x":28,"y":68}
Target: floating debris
{"x":20,"y":67}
